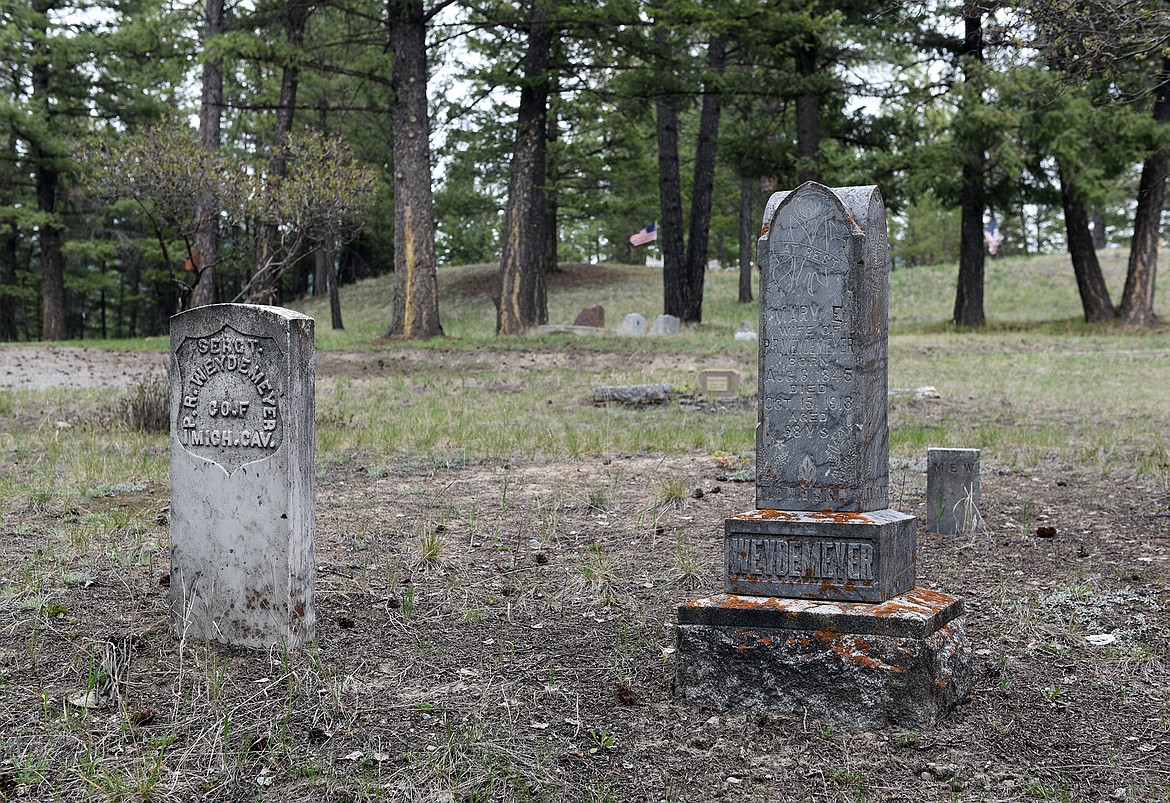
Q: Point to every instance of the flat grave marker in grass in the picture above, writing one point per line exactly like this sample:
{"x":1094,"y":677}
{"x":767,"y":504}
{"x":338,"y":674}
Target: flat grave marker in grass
{"x":719,"y":382}
{"x":817,"y":573}
{"x":242,"y":481}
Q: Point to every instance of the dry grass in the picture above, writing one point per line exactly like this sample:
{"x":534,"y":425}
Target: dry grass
{"x":500,"y":563}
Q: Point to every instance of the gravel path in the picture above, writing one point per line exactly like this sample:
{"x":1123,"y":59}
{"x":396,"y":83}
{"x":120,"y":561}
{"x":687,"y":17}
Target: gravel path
{"x":44,"y":367}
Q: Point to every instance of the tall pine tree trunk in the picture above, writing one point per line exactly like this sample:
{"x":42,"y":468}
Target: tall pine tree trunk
{"x":552,"y":174}
{"x":53,"y":323}
{"x":969,"y":295}
{"x":210,"y":117}
{"x":521,"y":300}
{"x":747,"y":230}
{"x":416,"y":283}
{"x":704,"y":182}
{"x":675,"y":287}
{"x":1137,"y":302}
{"x":1090,"y":282}
{"x":271,"y":257}
{"x":808,"y":111}
{"x":9,"y":247}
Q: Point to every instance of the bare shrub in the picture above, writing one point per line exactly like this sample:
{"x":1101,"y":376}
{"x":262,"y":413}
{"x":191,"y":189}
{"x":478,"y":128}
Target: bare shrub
{"x":147,"y":406}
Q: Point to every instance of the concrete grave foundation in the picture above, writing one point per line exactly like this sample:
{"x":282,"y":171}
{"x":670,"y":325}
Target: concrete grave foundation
{"x":904,"y":662}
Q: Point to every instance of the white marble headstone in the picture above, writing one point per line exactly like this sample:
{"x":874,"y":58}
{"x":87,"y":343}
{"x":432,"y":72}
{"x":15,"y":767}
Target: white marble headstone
{"x":242,"y":448}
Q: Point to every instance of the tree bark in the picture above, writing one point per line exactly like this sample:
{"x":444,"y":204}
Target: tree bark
{"x":1137,"y":302}
{"x":210,"y":117}
{"x":675,"y":287}
{"x":808,"y":111}
{"x":521,"y":300}
{"x":53,"y":322}
{"x":9,"y":249}
{"x":704,"y":182}
{"x":552,"y":174}
{"x":1090,"y":281}
{"x":416,"y":284}
{"x":969,"y":295}
{"x":747,"y":229}
{"x":326,"y":268}
{"x":1098,"y":223}
{"x":270,"y":257}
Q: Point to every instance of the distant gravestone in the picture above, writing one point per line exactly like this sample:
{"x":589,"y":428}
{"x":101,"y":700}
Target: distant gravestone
{"x":632,"y":324}
{"x":815,"y":574}
{"x":593,"y":315}
{"x":719,"y":381}
{"x":666,"y":325}
{"x":952,"y":491}
{"x":746,"y":331}
{"x":242,"y":476}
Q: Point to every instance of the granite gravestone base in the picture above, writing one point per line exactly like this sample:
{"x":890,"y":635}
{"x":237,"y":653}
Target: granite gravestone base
{"x":952,"y":491}
{"x":242,"y":476}
{"x":904,"y":662}
{"x":822,"y":614}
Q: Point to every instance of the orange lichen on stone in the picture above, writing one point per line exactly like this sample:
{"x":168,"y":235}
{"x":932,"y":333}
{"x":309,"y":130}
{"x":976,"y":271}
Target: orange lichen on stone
{"x":914,"y":601}
{"x":826,"y":637}
{"x":737,"y":602}
{"x":855,"y":650}
{"x":816,"y":516}
{"x":768,"y":514}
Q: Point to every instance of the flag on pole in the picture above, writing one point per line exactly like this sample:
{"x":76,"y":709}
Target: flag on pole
{"x":993,"y":237}
{"x":645,"y":236}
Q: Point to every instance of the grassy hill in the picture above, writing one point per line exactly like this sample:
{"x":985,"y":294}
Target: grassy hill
{"x":1022,"y":293}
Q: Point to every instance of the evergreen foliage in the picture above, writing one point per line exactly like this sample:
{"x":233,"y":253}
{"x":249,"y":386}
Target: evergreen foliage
{"x":1059,"y":128}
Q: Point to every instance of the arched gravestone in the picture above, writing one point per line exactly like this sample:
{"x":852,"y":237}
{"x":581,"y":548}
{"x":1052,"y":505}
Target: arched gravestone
{"x":822,"y":441}
{"x":242,"y":481}
{"x":821,"y":614}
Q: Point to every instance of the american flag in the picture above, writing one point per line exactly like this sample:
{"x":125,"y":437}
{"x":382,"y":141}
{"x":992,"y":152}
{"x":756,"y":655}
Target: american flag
{"x":645,"y":236}
{"x":993,"y":236}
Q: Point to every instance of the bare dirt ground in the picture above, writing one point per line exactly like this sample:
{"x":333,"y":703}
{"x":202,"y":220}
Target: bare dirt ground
{"x":46,"y":367}
{"x":503,"y":630}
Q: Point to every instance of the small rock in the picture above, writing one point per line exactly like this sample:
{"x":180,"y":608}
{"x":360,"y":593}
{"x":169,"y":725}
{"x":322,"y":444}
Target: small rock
{"x":632,"y":394}
{"x":941,"y":772}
